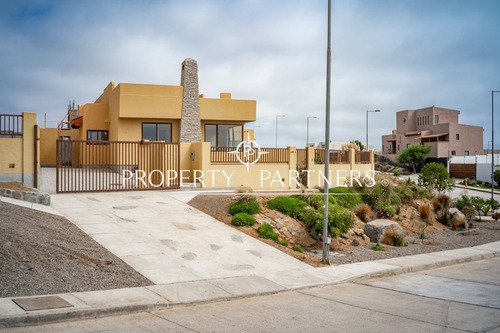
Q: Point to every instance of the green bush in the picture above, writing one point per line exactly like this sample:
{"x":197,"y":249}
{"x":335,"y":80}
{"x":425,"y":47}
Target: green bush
{"x":434,"y":176}
{"x":345,"y":196}
{"x":243,"y":219}
{"x":266,"y":231}
{"x":249,"y":207}
{"x":282,"y":242}
{"x":298,"y":248}
{"x":395,"y":199}
{"x":311,"y":217}
{"x":404,"y":193}
{"x":377,"y":247}
{"x":287,"y":205}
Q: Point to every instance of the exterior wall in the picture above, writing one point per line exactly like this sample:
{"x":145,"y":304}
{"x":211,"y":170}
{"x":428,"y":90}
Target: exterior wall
{"x":227,"y":108}
{"x":21,"y":153}
{"x":48,"y":137}
{"x":95,"y":117}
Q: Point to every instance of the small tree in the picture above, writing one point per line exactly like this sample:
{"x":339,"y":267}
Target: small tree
{"x":414,"y":155}
{"x":435,"y":177}
{"x":360,"y":144}
{"x":480,"y":205}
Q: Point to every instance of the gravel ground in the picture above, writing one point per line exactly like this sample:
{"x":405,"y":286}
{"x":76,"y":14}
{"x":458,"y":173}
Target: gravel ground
{"x":45,"y":254}
{"x":437,"y":240}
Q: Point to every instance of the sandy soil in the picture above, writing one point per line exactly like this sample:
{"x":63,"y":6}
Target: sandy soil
{"x":16,"y":186}
{"x":44,"y":254}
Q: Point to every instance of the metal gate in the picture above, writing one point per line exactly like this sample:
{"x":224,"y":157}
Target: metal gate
{"x":97,"y":166}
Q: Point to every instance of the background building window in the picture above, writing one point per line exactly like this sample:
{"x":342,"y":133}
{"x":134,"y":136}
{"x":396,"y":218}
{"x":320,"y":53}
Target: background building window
{"x":457,"y":136}
{"x":97,"y":135}
{"x":157,"y":132}
{"x":436,"y":119}
{"x":466,"y":153}
{"x":453,"y":152}
{"x":221,"y":135}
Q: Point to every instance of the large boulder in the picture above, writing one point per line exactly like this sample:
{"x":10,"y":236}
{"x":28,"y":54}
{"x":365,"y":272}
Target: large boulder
{"x":376,"y":228}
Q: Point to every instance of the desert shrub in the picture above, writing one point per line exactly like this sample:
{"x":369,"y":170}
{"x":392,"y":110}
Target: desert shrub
{"x":298,"y":248}
{"x":287,"y":205}
{"x":250,"y":207}
{"x":441,"y":204}
{"x":393,"y":237}
{"x":425,"y":213}
{"x":339,"y":220}
{"x":266,"y":231}
{"x":244,"y":189}
{"x":243,"y":219}
{"x":345,"y":196}
{"x":310,"y":217}
{"x":313,"y":200}
{"x":363,"y":212}
{"x":386,"y":211}
{"x":282,"y":242}
{"x":377,"y":247}
{"x":396,"y":172}
{"x":463,"y":202}
{"x":379,"y":198}
{"x":458,"y":223}
{"x":395,"y":199}
{"x":405,"y":194}
{"x":495,"y":216}
{"x":494,"y":205}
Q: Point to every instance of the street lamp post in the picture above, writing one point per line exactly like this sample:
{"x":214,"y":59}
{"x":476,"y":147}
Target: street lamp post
{"x":366,"y":146}
{"x":493,"y":141}
{"x":307,"y":137}
{"x":278,"y":116}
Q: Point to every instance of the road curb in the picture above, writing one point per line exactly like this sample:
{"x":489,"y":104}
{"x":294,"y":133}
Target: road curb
{"x":400,"y":265}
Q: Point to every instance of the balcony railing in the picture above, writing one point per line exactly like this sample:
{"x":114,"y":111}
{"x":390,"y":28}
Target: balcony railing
{"x":226,"y":155}
{"x":11,"y":125}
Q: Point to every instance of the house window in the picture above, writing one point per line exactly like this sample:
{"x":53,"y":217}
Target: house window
{"x":466,"y":153}
{"x":436,"y":119}
{"x":457,"y":136}
{"x":157,"y":132}
{"x":453,"y":152}
{"x":222,"y":135}
{"x":97,"y":135}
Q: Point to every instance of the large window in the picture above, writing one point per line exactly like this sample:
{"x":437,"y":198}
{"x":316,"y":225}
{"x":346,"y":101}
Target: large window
{"x":157,"y":132}
{"x":97,"y":135}
{"x":220,"y":135}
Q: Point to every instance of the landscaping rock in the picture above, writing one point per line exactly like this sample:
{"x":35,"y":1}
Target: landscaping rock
{"x":375,"y":229}
{"x":455,"y":212}
{"x":355,"y":242}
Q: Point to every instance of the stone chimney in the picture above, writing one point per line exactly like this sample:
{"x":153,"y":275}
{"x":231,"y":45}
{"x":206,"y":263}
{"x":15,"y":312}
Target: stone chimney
{"x":190,"y":118}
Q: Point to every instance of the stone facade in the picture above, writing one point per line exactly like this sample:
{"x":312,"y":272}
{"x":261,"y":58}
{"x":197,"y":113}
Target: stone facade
{"x":190,"y":130}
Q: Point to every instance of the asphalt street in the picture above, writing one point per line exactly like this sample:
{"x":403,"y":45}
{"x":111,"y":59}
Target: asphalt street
{"x":459,"y":298}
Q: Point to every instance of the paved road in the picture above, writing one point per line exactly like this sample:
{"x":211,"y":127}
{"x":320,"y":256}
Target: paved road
{"x":460,"y":298}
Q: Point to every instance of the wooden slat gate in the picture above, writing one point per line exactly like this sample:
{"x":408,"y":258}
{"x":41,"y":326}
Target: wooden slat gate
{"x":97,"y":166}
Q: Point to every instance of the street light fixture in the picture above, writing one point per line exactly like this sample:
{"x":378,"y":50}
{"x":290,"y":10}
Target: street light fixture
{"x":307,"y":138}
{"x":278,"y":116}
{"x":366,"y":146}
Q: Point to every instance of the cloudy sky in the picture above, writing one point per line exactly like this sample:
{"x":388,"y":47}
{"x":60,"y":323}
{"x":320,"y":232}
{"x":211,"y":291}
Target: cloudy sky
{"x":390,"y":55}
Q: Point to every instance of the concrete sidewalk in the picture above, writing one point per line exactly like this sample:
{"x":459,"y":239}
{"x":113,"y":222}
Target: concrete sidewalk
{"x":96,"y":304}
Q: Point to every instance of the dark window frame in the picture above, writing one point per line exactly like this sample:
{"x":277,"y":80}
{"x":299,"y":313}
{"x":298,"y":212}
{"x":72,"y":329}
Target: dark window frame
{"x":457,"y":136}
{"x":217,"y":132}
{"x":156,"y":131}
{"x":99,"y":140}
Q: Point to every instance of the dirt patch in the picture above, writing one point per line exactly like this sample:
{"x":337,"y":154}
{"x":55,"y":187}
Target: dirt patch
{"x":16,"y":186}
{"x":420,"y":237}
{"x":46,"y":254}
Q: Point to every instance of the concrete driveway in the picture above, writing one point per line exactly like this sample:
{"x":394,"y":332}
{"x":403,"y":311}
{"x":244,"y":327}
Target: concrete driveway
{"x":167,"y":240}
